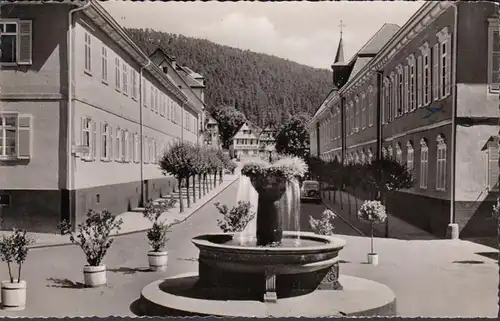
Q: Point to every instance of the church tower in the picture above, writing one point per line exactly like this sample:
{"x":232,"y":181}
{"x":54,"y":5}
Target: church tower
{"x":340,"y":67}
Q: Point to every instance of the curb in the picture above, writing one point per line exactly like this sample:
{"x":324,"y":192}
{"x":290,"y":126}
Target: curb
{"x":44,"y":246}
{"x":344,"y":219}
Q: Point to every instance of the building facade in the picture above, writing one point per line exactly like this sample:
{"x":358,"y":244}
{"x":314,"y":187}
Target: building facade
{"x":427,"y":95}
{"x":245,"y":143}
{"x":212,"y":137}
{"x":94,"y":144}
{"x":267,"y":142}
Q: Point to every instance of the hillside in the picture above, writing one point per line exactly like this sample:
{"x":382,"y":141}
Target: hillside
{"x":260,"y":85}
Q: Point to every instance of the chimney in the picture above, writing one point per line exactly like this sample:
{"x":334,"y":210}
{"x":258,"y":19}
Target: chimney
{"x":165,"y":69}
{"x":174,"y":63}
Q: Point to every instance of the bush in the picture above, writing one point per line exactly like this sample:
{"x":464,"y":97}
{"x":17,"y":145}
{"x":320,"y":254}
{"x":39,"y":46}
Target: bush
{"x":93,"y":235}
{"x":14,"y":248}
{"x":236,"y":219}
{"x":323,"y":225}
{"x":157,"y":234}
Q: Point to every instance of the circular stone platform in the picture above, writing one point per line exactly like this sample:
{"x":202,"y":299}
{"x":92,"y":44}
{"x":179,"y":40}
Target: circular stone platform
{"x":175,"y":297}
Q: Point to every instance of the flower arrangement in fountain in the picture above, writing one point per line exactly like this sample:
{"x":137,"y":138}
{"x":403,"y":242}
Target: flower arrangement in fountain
{"x":287,"y":167}
{"x":323,"y":225}
{"x":372,"y":212}
{"x":236,"y":219}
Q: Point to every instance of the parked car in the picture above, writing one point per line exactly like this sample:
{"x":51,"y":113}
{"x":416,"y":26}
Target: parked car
{"x":310,"y":191}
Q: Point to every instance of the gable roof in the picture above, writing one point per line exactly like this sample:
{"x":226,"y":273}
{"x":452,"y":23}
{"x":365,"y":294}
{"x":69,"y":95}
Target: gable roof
{"x":379,"y":39}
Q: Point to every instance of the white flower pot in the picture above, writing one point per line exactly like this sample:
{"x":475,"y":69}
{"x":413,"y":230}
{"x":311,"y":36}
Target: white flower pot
{"x":373,"y":258}
{"x":94,"y":276}
{"x":14,"y":295}
{"x":158,"y":261}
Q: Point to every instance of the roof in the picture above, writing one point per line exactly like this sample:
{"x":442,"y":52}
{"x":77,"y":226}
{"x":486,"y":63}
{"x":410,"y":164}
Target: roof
{"x":379,"y":39}
{"x":358,"y":65}
{"x":339,"y":56}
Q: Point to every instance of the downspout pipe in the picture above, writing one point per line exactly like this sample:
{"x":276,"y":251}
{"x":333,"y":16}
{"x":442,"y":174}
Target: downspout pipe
{"x":453,"y":227}
{"x":379,"y":119}
{"x":70,"y":124}
{"x":141,"y":129}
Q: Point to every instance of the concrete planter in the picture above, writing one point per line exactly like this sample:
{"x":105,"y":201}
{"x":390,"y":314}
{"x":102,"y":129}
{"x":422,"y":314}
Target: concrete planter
{"x":373,"y":258}
{"x":94,"y":276}
{"x":14,"y":295}
{"x":158,"y":261}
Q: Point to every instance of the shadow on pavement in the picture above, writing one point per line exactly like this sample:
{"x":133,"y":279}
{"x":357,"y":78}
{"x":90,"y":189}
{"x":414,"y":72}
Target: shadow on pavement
{"x":469,"y":262}
{"x":490,"y":255}
{"x":135,"y":308}
{"x":129,"y":271}
{"x":193,"y":259}
{"x":64,"y":283}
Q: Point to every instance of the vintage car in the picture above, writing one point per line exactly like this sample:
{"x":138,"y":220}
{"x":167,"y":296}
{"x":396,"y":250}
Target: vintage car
{"x":310,"y":191}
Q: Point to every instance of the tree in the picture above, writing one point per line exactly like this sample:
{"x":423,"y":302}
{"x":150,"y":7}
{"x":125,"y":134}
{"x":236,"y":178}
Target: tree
{"x":229,"y":121}
{"x":293,"y":137}
{"x":178,"y":161}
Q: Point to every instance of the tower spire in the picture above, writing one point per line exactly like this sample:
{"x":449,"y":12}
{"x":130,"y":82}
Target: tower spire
{"x":339,"y":57}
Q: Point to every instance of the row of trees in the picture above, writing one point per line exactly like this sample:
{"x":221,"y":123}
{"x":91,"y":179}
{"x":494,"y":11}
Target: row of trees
{"x":190,"y":163}
{"x":376,"y":179}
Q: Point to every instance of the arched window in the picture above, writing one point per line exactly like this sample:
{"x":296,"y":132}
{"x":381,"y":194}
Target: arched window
{"x":370,"y":155}
{"x":409,"y":156}
{"x":390,"y":152}
{"x":441,"y":164}
{"x":363,"y":157}
{"x":399,"y":153}
{"x":356,"y":158}
{"x":424,"y":163}
{"x":385,"y":154}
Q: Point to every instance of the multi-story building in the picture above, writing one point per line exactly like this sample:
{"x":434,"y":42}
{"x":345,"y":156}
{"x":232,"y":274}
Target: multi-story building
{"x":267,"y":142}
{"x":84,"y":115}
{"x":212,"y":132}
{"x":427,"y":95}
{"x":245,"y":143}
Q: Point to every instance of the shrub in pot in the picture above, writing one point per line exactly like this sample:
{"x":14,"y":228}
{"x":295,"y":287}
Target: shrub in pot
{"x":93,"y":236}
{"x":14,"y":249}
{"x":323,"y":225}
{"x":372,"y":212}
{"x":157,"y":234}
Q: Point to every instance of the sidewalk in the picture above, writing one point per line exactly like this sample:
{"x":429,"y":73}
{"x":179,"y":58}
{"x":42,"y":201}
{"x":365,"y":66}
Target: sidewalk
{"x":134,"y":221}
{"x":398,"y":228}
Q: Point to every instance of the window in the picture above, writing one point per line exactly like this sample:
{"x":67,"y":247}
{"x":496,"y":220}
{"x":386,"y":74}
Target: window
{"x":16,"y":42}
{"x":493,"y":170}
{"x":15,"y":136}
{"x":493,"y":55}
{"x":136,"y":148}
{"x":441,"y":164}
{"x":410,"y":156}
{"x":119,"y":146}
{"x":413,"y":83}
{"x":370,"y":155}
{"x":426,"y":95}
{"x":363,"y":157}
{"x":406,"y":96}
{"x":424,"y":163}
{"x":400,"y":93}
{"x":394,"y":101}
{"x":384,"y":152}
{"x":130,"y":147}
{"x":399,"y":154}
{"x":390,"y":152}
{"x":339,"y":119}
{"x":420,"y":81}
{"x":106,"y":142}
{"x":117,"y":74}
{"x":352,"y":113}
{"x":152,"y":97}
{"x":89,"y":138}
{"x":88,"y":53}
{"x":435,"y":72}
{"x":104,"y":64}
{"x":133,"y":74}
{"x":363,"y":110}
{"x":156,"y":101}
{"x":444,"y":39}
{"x":144,"y":92}
{"x":145,"y":142}
{"x":124,"y":141}
{"x":125,"y":78}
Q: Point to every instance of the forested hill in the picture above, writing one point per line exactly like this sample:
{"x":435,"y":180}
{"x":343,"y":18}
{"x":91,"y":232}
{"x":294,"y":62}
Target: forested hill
{"x":260,"y":85}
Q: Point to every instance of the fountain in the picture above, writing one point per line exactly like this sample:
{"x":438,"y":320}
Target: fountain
{"x":274,"y":272}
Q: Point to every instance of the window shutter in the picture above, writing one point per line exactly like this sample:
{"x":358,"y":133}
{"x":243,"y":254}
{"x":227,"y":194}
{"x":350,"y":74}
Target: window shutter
{"x":117,"y":147}
{"x":435,"y":71}
{"x":493,"y":169}
{"x":111,"y":144}
{"x":405,"y":96}
{"x":24,"y":137}
{"x":103,"y":146}
{"x":145,"y":149}
{"x":24,"y":45}
{"x":419,"y":84}
{"x":94,"y":140}
{"x":448,"y":66}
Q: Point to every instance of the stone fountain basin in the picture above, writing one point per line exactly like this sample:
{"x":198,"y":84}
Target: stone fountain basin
{"x":317,"y":252}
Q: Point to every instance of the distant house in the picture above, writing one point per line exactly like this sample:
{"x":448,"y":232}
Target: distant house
{"x":267,"y":141}
{"x":211,"y":131}
{"x":245,"y":142}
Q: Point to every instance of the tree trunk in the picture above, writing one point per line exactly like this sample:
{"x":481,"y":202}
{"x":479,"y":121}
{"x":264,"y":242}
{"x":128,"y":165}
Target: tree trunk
{"x":194,"y":188}
{"x":215,"y":178}
{"x":335,"y":196}
{"x":371,"y":228}
{"x":187,"y":192}
{"x":221,"y":172}
{"x":179,"y":186}
{"x":199,"y":186}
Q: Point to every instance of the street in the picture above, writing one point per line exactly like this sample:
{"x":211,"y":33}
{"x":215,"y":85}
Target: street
{"x":430,"y":278}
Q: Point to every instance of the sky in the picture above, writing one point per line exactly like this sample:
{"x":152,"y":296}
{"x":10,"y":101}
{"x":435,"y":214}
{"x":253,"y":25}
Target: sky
{"x":304,"y":32}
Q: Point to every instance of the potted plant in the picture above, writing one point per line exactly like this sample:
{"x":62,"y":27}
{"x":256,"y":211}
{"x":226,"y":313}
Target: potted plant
{"x":14,"y":249}
{"x":372,"y":212}
{"x":323,"y":225}
{"x":94,"y":238}
{"x":236,"y":219}
{"x":157,"y":234}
